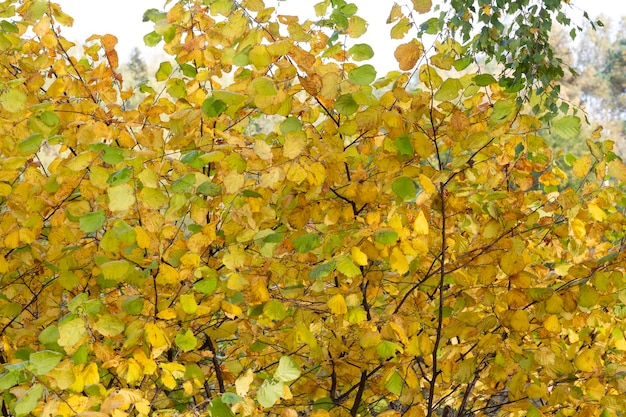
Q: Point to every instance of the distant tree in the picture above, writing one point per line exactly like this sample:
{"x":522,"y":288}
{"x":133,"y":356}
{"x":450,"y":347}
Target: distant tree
{"x":135,"y":76}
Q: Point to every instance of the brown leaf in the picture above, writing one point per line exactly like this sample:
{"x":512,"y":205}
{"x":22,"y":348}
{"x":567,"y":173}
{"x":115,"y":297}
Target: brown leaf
{"x":408,"y":54}
{"x":311,"y":84}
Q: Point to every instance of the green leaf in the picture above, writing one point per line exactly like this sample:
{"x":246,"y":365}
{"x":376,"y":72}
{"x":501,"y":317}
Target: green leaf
{"x":188,"y":70}
{"x":217,"y":408}
{"x":176,"y":88}
{"x":587,"y":296}
{"x":164,"y":71}
{"x":49,"y":335}
{"x":28,"y":401}
{"x":306,"y":242}
{"x":404,"y":188}
{"x":152,"y":39}
{"x":206,"y":286}
{"x":346,"y":105}
{"x":188,"y":303}
{"x":210,"y":189}
{"x":346,"y":266}
{"x":13,"y":100}
{"x":502,"y":110}
{"x":287,"y":370}
{"x":263,"y":86}
{"x":274,"y":238}
{"x":387,"y":349}
{"x":92,"y":222}
{"x":112,"y":155}
{"x":483,"y":80}
{"x":133,"y":305}
{"x":361,"y":52}
{"x":109,"y":325}
{"x":231,"y":398}
{"x":461,"y":64}
{"x":251,"y":194}
{"x":31,"y":144}
{"x":386,"y":237}
{"x":9,"y":379}
{"x":567,"y":127}
{"x":116,"y":270}
{"x":363,"y":75}
{"x":186,"y":341}
{"x":322,"y":270}
{"x":269,"y":393}
{"x":40,"y":363}
{"x":11,"y":310}
{"x":275,"y":310}
{"x":394,"y":383}
{"x":9,"y":27}
{"x":403,"y":145}
{"x":212,"y":107}
{"x":449,"y":90}
{"x":119,"y":177}
{"x":184,"y":184}
{"x":290,"y":124}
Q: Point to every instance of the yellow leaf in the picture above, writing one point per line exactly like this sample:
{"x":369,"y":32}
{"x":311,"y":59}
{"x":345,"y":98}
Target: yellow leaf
{"x":597,"y":132}
{"x":4,"y":265}
{"x":581,"y":166}
{"x":519,"y":321}
{"x":155,"y":335}
{"x":167,"y":314}
{"x":425,"y":344}
{"x":295,"y":142}
{"x":358,"y":257}
{"x":259,"y":56}
{"x":12,"y":240}
{"x":595,"y":389}
{"x":233,"y":182}
{"x":27,"y":236}
{"x":512,"y":263}
{"x":90,"y":374}
{"x":287,"y":395}
{"x":143,"y":406}
{"x":427,"y":184}
{"x":398,"y":261}
{"x":551,"y":324}
{"x":401,"y":28}
{"x":395,"y":13}
{"x":617,"y":169}
{"x":263,"y":150}
{"x":596,"y":212}
{"x":231,"y":310}
{"x":142,"y":238}
{"x":121,"y":197}
{"x":408,"y":54}
{"x":420,"y":225}
{"x":400,"y":333}
{"x":168,"y":380}
{"x":131,"y":371}
{"x":167,"y":275}
{"x":578,"y":228}
{"x":422,"y":6}
{"x":368,"y":192}
{"x":337,"y":304}
{"x":242,"y":384}
{"x":586,"y":360}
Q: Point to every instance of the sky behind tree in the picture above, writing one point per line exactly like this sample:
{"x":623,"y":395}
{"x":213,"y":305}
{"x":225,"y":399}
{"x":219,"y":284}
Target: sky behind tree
{"x":123,"y":19}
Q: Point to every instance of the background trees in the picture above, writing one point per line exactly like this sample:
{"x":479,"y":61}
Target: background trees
{"x":378,"y":251}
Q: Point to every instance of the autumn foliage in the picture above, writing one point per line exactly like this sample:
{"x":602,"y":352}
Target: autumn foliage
{"x":277,"y":229}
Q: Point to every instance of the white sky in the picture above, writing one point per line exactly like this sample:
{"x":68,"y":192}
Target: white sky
{"x":122,"y":18}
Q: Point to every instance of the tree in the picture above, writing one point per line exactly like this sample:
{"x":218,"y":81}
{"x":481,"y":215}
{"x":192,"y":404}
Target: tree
{"x":379,"y":252}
